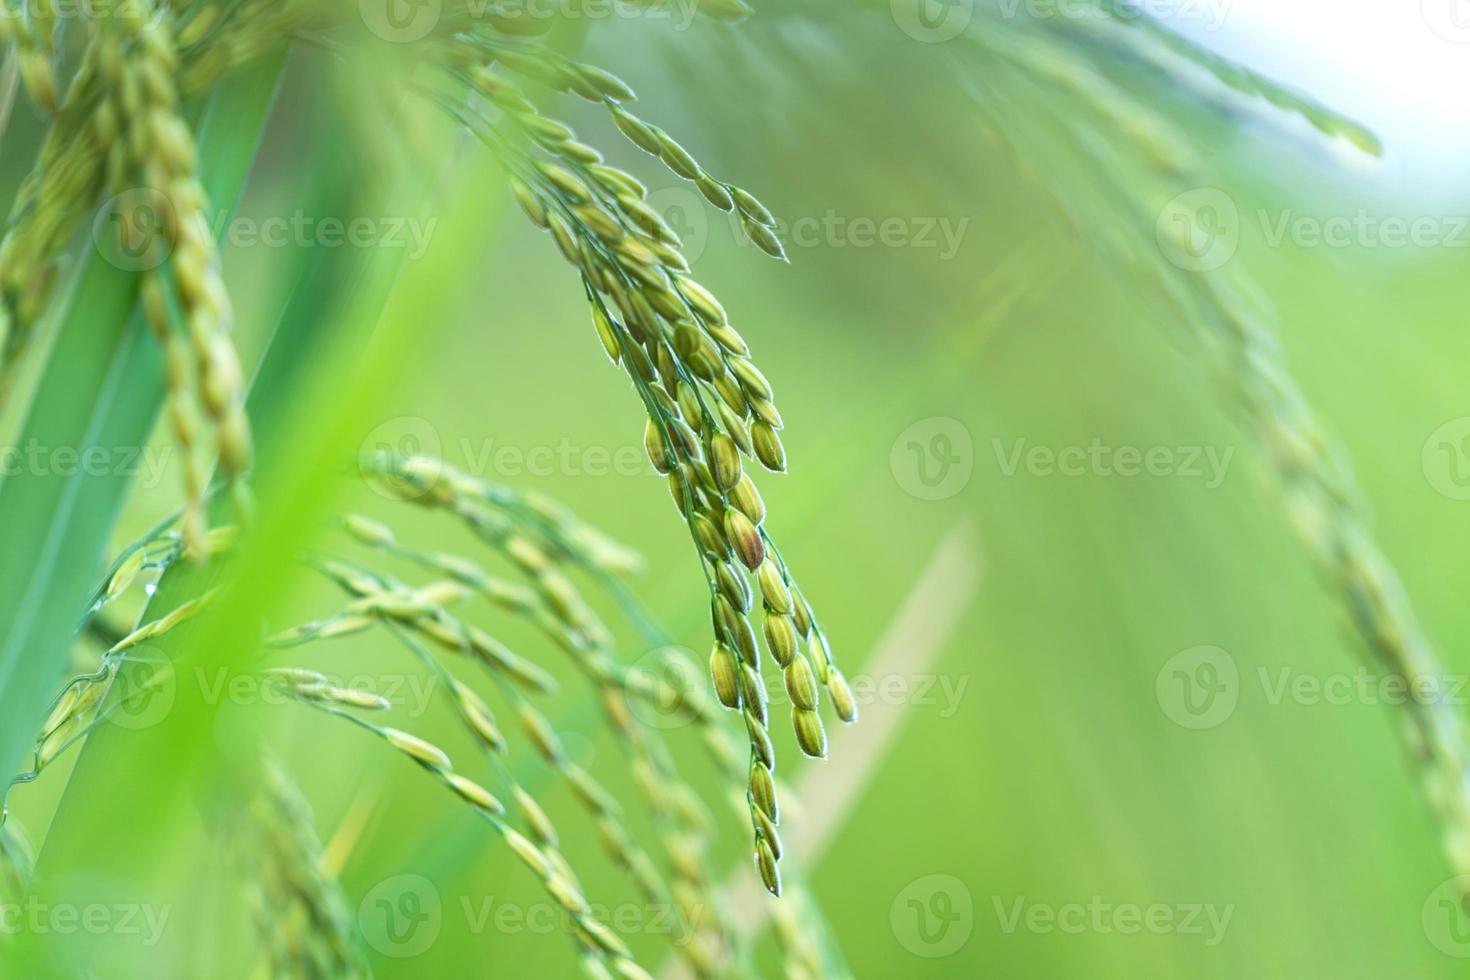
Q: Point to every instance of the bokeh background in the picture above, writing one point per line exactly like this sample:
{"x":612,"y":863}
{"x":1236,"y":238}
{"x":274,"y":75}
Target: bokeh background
{"x":1113,"y":723}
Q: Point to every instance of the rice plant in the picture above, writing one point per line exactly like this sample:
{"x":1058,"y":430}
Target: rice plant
{"x":142,"y":123}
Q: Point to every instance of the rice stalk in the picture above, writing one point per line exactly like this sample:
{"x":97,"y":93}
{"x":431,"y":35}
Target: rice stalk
{"x":26,"y":26}
{"x":1318,"y":491}
{"x":395,"y":605}
{"x":300,"y":913}
{"x":499,"y":516}
{"x":669,"y":800}
{"x":151,"y":155}
{"x":600,"y":944}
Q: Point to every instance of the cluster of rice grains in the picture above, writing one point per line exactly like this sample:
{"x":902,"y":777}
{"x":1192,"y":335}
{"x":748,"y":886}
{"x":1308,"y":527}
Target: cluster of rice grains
{"x":150,"y":155}
{"x":117,"y":132}
{"x":300,"y":913}
{"x":710,"y":409}
{"x":541,"y":543}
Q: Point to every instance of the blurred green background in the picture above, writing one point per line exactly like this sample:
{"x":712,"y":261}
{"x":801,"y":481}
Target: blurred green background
{"x":1032,"y":799}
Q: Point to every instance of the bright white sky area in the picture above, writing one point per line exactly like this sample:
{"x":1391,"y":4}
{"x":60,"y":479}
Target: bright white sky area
{"x":1402,"y":67}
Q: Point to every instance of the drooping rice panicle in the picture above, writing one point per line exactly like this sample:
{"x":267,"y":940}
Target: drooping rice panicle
{"x":30,"y":26}
{"x":300,"y":913}
{"x":599,"y":942}
{"x":1322,"y":505}
{"x":48,"y":206}
{"x":85,"y":700}
{"x":151,"y":171}
{"x":708,"y":406}
{"x":1317,"y":487}
{"x":398,"y":605}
